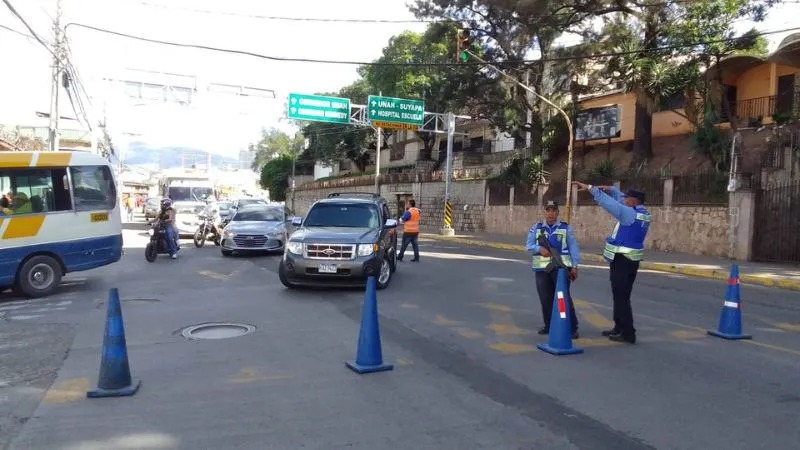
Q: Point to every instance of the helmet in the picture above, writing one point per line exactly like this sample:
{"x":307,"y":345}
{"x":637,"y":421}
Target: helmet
{"x":166,"y":202}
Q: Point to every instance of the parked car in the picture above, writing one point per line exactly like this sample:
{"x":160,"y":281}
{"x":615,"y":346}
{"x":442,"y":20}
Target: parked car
{"x":255,"y":228}
{"x":342,"y":240}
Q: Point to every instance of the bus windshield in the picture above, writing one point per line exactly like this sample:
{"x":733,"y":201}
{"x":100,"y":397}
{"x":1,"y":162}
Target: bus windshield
{"x":188,"y":193}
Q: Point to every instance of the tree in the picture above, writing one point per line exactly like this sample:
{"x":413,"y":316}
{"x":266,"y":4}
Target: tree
{"x":509,"y":32}
{"x":444,"y":88}
{"x":274,"y":143}
{"x":275,"y":175}
{"x":332,"y":143}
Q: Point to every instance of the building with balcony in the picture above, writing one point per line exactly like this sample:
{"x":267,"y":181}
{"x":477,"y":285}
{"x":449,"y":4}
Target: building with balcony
{"x":762,"y":90}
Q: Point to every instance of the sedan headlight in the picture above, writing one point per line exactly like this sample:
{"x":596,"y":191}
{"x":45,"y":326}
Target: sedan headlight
{"x":295,"y":247}
{"x":367,"y":249}
{"x":228,"y":233}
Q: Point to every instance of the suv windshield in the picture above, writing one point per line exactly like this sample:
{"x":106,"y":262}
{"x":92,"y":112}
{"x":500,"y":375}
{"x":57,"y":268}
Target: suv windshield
{"x":259,"y":215}
{"x":342,"y":215}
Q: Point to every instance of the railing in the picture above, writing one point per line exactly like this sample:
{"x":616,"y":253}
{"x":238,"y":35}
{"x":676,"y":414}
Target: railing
{"x":756,"y":107}
{"x":701,"y":188}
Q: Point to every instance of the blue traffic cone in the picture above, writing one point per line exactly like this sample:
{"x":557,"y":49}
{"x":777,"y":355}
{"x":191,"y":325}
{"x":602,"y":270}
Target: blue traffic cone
{"x":730,"y":320}
{"x":115,"y":373}
{"x":559,"y":341}
{"x":369,"y":357}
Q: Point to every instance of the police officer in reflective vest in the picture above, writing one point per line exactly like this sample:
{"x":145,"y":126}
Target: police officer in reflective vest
{"x":410,"y":221}
{"x":624,"y":250}
{"x":561,"y":239}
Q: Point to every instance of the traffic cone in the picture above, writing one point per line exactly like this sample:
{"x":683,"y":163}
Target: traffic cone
{"x":369,"y":357}
{"x":730,"y":320}
{"x":115,"y":373}
{"x":559,"y":341}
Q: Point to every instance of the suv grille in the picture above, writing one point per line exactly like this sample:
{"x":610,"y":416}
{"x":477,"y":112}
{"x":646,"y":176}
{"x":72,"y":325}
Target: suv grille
{"x":330,"y":251}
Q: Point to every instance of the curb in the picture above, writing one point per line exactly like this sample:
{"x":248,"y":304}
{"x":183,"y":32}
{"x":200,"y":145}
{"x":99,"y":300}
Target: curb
{"x":793,"y":285}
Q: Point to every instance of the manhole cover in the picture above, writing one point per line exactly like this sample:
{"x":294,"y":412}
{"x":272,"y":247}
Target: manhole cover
{"x":217,"y":330}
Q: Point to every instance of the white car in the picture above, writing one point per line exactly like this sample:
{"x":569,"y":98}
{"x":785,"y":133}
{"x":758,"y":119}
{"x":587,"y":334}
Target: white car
{"x":186,"y":219}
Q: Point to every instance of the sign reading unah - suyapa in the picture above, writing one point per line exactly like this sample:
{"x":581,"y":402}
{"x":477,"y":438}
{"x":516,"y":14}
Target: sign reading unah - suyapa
{"x":319,"y":108}
{"x":396,"y":110}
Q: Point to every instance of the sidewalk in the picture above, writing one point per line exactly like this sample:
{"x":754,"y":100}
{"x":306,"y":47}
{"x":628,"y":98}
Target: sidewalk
{"x":782,"y":276}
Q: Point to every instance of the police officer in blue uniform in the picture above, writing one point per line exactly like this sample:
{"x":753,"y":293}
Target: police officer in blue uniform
{"x":561,"y":239}
{"x":624,"y":250}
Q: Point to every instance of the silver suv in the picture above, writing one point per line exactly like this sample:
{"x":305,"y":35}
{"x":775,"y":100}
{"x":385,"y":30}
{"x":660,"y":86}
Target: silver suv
{"x":342,"y":240}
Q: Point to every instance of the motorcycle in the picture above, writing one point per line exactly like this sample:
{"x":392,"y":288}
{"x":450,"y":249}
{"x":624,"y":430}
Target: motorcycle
{"x":206,"y":230}
{"x":158,"y":242}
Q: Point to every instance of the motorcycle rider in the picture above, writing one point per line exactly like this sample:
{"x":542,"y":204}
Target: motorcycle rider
{"x":167,"y":219}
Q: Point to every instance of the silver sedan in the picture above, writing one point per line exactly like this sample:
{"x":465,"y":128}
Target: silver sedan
{"x":255,"y":228}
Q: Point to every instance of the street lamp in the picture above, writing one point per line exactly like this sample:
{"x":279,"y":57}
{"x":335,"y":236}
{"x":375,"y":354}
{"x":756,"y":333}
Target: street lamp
{"x":563,"y":114}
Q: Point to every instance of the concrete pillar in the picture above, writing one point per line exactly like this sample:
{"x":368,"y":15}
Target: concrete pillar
{"x":742,"y":210}
{"x":541,"y":189}
{"x":669,"y":188}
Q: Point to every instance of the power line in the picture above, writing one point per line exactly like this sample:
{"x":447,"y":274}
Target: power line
{"x":24,"y":22}
{"x":415,"y":64}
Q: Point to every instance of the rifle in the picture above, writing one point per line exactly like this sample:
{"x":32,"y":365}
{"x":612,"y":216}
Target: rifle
{"x":555,"y":258}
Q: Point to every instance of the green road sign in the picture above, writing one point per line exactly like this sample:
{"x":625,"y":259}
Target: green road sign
{"x":396,"y":110}
{"x":319,"y":109}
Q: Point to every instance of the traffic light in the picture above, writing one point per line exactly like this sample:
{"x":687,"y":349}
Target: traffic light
{"x":463,"y":41}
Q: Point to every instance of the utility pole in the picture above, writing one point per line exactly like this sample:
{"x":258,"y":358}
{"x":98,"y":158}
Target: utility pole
{"x":447,"y":229}
{"x":378,"y":145}
{"x":529,"y":116}
{"x":58,"y":52}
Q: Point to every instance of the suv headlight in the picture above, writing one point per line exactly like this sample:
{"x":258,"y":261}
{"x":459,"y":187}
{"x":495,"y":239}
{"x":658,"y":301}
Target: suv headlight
{"x":367,"y":249}
{"x":295,"y":247}
{"x":151,"y":231}
{"x":228,"y":233}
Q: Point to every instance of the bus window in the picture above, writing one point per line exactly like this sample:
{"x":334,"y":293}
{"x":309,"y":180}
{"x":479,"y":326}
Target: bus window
{"x":93,"y":188}
{"x":32,"y":190}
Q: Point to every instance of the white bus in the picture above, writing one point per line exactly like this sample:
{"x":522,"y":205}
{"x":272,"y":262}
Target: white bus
{"x":59,"y":214}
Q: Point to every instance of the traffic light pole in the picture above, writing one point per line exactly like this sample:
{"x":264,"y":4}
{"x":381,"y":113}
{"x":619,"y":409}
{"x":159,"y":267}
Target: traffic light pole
{"x":447,"y":229}
{"x":563,"y":114}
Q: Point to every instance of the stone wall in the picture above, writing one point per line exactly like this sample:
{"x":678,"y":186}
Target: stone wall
{"x":700,"y":230}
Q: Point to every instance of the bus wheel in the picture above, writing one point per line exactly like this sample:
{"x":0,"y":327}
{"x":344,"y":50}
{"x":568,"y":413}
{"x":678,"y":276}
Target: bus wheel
{"x":39,"y":276}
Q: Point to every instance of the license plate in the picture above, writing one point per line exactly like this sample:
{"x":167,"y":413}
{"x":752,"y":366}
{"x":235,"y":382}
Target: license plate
{"x":99,"y":217}
{"x":327,"y":268}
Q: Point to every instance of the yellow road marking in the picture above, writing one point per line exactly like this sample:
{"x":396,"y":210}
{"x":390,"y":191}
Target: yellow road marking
{"x":214,"y":275}
{"x":495,"y":307}
{"x":23,"y":226}
{"x":13,"y":159}
{"x":53,"y":159}
{"x":702,"y":330}
{"x":444,"y":321}
{"x":587,"y":313}
{"x":688,"y":334}
{"x":467,"y":333}
{"x":790,"y":327}
{"x":408,"y":306}
{"x":404,"y":362}
{"x":67,"y":391}
{"x":509,"y":348}
{"x":507,"y":329}
{"x":249,"y":375}
{"x":594,"y":342}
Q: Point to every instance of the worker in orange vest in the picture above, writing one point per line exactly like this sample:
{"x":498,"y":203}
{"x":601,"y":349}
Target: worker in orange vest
{"x":410,"y":221}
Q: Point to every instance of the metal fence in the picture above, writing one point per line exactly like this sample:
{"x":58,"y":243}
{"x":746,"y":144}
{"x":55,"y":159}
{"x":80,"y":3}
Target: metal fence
{"x":701,"y":188}
{"x":651,"y":184}
{"x":777,"y":234}
{"x":524,"y":196}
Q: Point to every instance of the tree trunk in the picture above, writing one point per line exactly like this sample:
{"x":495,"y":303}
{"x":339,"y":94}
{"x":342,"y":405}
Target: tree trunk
{"x":643,"y":133}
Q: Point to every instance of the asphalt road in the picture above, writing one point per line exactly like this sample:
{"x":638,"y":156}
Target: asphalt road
{"x":459,"y":327}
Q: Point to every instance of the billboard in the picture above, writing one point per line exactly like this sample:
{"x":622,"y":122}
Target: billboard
{"x":598,"y":123}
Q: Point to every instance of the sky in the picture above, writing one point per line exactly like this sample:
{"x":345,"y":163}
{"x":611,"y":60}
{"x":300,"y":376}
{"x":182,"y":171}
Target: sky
{"x":222,"y":124}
